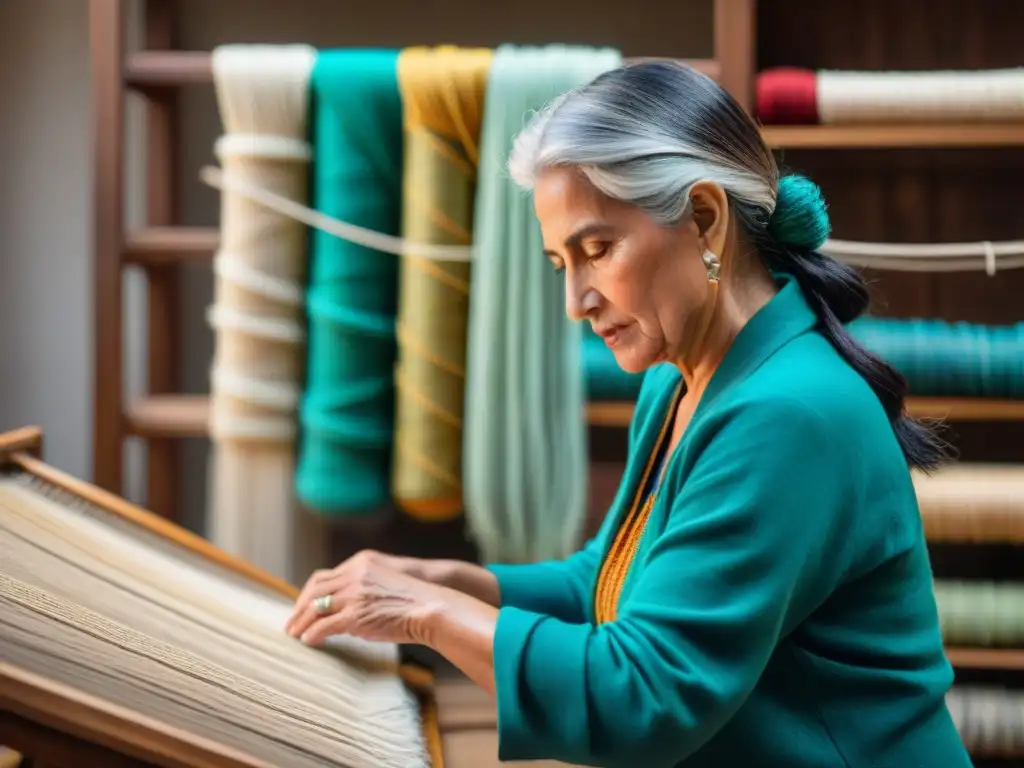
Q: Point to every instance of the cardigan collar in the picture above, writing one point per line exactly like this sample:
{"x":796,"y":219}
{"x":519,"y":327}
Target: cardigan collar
{"x":786,"y":316}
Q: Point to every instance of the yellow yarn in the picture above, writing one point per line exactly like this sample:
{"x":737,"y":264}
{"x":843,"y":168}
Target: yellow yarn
{"x":620,"y":556}
{"x":443,"y":99}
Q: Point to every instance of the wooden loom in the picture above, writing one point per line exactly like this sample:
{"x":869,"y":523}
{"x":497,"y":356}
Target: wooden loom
{"x":57,"y":724}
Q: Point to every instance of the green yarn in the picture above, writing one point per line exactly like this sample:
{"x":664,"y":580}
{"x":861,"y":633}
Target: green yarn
{"x":801,"y":216}
{"x":948,"y":359}
{"x":524,"y":441}
{"x":347,"y":413}
{"x":981,"y":613}
{"x":938,"y":358}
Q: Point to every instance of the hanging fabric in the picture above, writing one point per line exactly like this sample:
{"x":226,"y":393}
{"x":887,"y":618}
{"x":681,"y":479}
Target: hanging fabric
{"x":347,"y":411}
{"x":442,"y":93}
{"x":257,"y":314}
{"x":524,"y":444}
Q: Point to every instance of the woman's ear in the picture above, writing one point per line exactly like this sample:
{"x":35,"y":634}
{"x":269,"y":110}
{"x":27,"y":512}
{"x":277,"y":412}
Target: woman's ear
{"x":711,"y":214}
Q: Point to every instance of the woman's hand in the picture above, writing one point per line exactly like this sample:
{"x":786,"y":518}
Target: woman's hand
{"x":377,"y":597}
{"x":370,"y":595}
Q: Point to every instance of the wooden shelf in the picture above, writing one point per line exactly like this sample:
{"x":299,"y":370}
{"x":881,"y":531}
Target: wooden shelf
{"x":893,"y":136}
{"x":168,"y":416}
{"x":147,"y":69}
{"x":1010,"y":659}
{"x":186,"y":415}
{"x":157,"y":246}
{"x":167,"y":68}
{"x":618,"y":414}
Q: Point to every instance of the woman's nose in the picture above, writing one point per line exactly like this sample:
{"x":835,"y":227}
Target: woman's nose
{"x":580,"y":299}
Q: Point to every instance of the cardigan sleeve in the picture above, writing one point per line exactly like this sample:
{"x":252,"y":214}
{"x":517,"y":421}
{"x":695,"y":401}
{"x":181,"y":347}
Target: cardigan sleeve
{"x":563,"y":588}
{"x":557,"y":588}
{"x":751,"y":546}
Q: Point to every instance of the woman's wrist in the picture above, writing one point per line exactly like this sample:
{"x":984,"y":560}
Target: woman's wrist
{"x":467,"y":578}
{"x":461,"y":628}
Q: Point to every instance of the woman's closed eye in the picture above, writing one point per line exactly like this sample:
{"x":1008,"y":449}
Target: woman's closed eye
{"x":594,"y":251}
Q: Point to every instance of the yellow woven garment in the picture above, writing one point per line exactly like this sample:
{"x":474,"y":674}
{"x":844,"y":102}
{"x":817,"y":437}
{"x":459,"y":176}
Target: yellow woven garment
{"x":443,"y":95}
{"x":620,"y":556}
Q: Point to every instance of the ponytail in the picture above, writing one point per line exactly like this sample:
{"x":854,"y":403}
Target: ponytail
{"x":838,"y":295}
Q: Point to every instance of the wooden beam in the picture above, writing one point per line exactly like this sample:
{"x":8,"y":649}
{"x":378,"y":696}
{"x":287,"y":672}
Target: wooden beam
{"x":106,"y":46}
{"x":883,"y":136}
{"x":735,"y":23}
{"x":164,"y":299}
{"x":170,"y":68}
{"x":157,"y":246}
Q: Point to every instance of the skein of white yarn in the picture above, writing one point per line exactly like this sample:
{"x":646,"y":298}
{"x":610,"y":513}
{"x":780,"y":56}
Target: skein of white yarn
{"x":947,"y":96}
{"x":258,"y":313}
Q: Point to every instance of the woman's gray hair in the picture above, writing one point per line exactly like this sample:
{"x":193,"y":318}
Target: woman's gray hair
{"x":645,"y":134}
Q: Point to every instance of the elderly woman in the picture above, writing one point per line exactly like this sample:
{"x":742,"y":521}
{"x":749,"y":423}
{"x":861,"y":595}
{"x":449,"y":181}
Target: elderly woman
{"x":760,"y":592}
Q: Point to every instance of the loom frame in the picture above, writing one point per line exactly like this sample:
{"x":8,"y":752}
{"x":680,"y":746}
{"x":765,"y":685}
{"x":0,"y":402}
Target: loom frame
{"x":57,"y":725}
{"x":51,"y":722}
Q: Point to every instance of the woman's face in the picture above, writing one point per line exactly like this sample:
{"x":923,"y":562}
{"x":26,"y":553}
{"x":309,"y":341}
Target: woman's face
{"x":643,"y":287}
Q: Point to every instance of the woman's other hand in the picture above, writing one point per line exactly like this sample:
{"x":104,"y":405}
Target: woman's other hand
{"x":371,"y":595}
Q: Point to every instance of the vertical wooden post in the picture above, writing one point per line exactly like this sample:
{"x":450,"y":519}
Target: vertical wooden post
{"x":107,"y":49}
{"x":736,"y":48}
{"x":164,"y":280}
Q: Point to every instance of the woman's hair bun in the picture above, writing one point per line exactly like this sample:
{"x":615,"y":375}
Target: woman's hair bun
{"x":800,"y":219}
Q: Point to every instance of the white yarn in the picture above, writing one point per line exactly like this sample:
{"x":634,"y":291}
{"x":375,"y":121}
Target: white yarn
{"x":945,"y":96}
{"x":258,"y":313}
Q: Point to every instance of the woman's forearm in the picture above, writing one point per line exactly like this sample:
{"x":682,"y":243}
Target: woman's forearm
{"x":461,"y":628}
{"x":467,"y":578}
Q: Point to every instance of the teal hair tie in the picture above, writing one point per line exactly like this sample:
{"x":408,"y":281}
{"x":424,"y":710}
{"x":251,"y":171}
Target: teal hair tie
{"x":801,"y":216}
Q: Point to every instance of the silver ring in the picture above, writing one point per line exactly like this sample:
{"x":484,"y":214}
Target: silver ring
{"x":322,"y":604}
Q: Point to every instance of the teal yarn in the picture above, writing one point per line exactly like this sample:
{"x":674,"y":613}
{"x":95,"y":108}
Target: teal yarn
{"x":801,"y":218}
{"x":524,"y":436}
{"x":948,"y":359}
{"x":938,"y":358}
{"x":347,"y":412}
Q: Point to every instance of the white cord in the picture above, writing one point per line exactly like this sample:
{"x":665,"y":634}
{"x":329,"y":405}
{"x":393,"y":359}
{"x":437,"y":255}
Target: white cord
{"x":396,"y":246}
{"x":900,"y":257}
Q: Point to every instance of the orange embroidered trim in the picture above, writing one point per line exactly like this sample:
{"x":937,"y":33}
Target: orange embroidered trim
{"x":623,"y":549}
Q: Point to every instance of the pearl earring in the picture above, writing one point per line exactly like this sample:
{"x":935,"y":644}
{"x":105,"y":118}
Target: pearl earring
{"x":713,"y":265}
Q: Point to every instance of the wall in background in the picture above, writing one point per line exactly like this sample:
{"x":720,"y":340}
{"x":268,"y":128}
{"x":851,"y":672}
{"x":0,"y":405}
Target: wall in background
{"x":46,"y":176}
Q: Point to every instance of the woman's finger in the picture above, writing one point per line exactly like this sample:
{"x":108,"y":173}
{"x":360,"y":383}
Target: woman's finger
{"x":323,"y":627}
{"x":320,"y":583}
{"x":331,"y":597}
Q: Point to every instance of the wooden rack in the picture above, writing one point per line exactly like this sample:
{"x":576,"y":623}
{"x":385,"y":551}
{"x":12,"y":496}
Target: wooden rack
{"x":163,"y":416}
